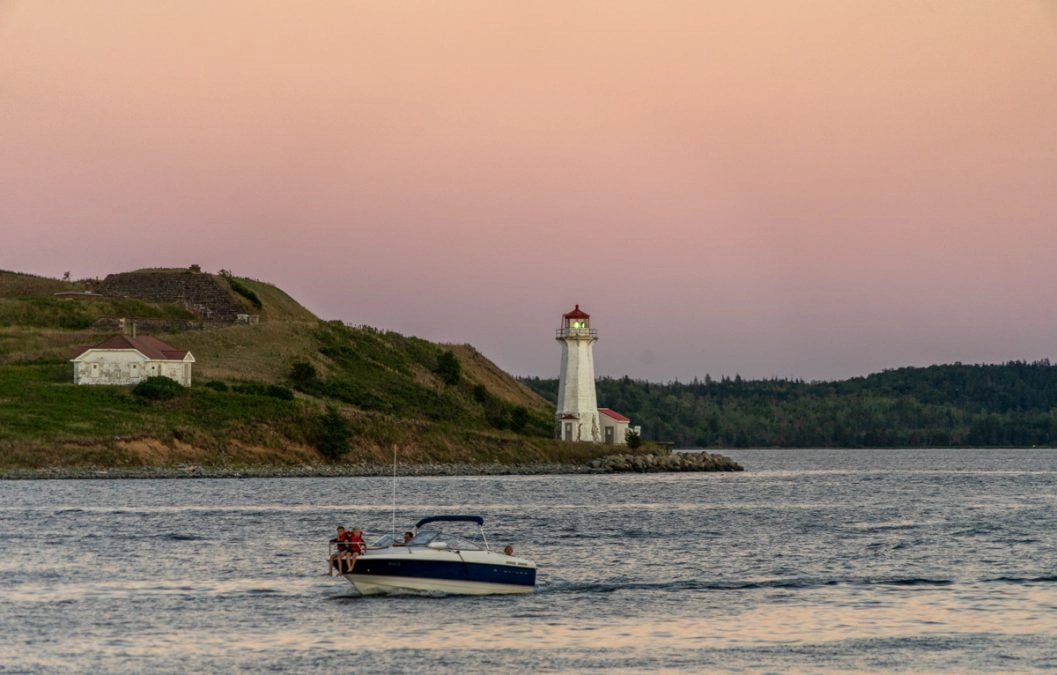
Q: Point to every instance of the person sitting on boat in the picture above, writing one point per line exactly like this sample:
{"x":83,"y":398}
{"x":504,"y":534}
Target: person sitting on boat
{"x":356,"y":546}
{"x":508,"y":550}
{"x":342,"y":550}
{"x":408,"y":536}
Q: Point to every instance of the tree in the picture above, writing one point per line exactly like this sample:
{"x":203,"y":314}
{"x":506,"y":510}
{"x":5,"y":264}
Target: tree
{"x":632,"y":438}
{"x":334,"y":434}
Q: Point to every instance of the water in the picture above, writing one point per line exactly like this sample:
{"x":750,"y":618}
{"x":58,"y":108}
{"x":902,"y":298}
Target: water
{"x":817,"y":561}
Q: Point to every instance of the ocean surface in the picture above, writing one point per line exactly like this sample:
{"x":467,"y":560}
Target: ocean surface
{"x":809,"y":561}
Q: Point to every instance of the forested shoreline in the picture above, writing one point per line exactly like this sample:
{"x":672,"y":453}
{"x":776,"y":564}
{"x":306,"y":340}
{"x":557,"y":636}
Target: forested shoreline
{"x":1007,"y":405}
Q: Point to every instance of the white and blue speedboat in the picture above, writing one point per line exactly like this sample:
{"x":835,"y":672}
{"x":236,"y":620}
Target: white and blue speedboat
{"x":441,"y":562}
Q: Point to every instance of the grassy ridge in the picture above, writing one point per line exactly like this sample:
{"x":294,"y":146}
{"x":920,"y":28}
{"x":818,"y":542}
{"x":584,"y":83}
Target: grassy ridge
{"x":74,"y":313}
{"x":393,"y":374}
{"x":276,"y":305}
{"x":17,"y":284}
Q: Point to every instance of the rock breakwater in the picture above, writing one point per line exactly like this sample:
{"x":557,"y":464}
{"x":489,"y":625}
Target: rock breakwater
{"x":675,"y":461}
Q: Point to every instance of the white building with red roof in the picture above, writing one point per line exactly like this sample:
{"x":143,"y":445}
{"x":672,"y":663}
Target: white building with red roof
{"x":123,"y":359}
{"x":614,"y":426}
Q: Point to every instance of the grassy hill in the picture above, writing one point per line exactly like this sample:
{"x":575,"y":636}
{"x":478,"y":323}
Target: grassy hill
{"x":276,"y":392}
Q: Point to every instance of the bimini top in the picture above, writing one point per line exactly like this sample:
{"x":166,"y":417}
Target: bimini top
{"x":450,"y":519}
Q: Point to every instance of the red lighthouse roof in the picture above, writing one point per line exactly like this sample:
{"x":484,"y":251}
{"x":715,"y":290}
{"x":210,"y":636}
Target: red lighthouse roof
{"x":577,"y":313}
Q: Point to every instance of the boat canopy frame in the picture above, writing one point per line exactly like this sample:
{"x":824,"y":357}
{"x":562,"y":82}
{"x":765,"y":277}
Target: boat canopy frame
{"x":450,"y":519}
{"x":477,"y":520}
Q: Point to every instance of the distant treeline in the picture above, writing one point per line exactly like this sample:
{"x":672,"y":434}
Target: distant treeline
{"x":1009,"y":405}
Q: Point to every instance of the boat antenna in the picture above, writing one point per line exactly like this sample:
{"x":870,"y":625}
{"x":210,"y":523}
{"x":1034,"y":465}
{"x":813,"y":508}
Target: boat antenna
{"x":394,"y":492}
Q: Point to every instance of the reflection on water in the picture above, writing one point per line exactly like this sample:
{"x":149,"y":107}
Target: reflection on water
{"x":921,"y":562}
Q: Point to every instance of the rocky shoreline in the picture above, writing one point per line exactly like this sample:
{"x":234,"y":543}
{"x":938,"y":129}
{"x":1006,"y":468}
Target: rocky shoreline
{"x":643,"y":463}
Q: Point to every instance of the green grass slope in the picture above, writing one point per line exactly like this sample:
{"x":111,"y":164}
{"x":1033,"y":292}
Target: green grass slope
{"x":278,"y":392}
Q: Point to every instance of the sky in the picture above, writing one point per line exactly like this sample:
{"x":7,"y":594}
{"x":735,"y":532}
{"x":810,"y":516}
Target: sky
{"x":814,"y":189}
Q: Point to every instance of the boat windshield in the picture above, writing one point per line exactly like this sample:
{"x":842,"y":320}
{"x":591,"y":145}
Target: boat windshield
{"x":423,"y":538}
{"x":458,"y":543}
{"x":452,"y":541}
{"x":384,"y":541}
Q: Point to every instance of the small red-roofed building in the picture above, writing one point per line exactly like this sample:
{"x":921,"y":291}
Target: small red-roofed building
{"x":614,"y":426}
{"x":123,"y":359}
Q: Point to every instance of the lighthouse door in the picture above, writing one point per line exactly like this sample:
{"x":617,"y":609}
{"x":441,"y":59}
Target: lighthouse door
{"x":609,"y":435}
{"x":568,"y":431}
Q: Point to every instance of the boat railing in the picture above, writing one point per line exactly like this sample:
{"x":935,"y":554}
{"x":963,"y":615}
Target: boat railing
{"x":334,"y":547}
{"x":478,"y":542}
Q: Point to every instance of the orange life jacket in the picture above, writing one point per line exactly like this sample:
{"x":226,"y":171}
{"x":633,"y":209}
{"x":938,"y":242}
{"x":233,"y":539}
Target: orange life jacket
{"x":357,"y":542}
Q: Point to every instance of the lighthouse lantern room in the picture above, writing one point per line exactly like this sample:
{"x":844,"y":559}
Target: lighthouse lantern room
{"x":576,"y":416}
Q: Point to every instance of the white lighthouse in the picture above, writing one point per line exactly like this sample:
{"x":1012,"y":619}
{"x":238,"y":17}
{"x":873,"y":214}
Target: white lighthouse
{"x":576,"y":417}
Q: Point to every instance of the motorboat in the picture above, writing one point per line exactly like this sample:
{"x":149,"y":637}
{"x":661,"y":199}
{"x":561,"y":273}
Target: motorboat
{"x":436,"y":561}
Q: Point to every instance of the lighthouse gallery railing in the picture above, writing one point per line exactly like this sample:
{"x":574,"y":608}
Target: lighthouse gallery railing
{"x":575,"y":332}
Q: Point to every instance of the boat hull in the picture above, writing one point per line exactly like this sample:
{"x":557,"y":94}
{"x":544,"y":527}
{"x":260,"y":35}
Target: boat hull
{"x":446,"y":573}
{"x":382,"y":585}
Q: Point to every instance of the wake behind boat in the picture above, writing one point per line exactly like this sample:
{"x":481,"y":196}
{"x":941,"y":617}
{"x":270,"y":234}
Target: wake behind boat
{"x":434,"y":561}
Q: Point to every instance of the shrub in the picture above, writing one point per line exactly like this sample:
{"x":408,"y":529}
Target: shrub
{"x":280,"y":392}
{"x":519,"y":417}
{"x":258,"y":389}
{"x":448,"y":368}
{"x":303,"y":375}
{"x":633,"y":439}
{"x":216,"y":385}
{"x":158,"y":389}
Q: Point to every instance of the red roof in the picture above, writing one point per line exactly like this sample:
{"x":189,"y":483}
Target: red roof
{"x":614,"y":414}
{"x":149,"y":346}
{"x":577,"y":313}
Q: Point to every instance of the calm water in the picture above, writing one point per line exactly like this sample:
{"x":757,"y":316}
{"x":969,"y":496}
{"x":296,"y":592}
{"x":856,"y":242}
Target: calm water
{"x":809,"y":561}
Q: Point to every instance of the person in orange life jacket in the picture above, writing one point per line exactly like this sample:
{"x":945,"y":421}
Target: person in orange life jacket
{"x":343,"y":548}
{"x":356,"y":546}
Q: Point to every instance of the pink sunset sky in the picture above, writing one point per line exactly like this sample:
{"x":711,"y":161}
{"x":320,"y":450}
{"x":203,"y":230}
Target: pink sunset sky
{"x":811,"y":189}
